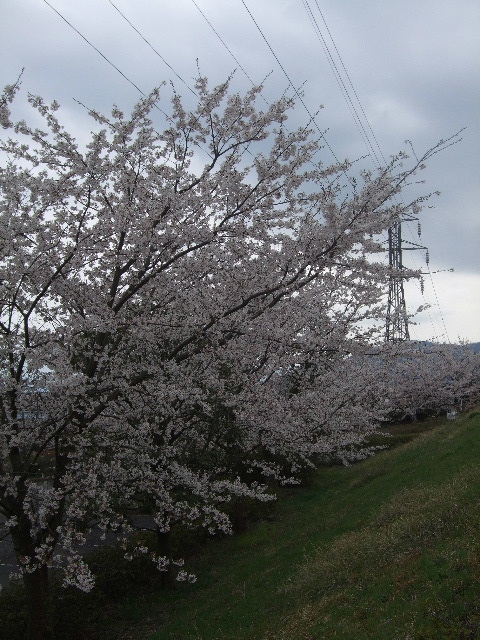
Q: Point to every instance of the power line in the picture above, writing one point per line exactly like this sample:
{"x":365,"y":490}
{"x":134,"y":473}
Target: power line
{"x":438,"y":303}
{"x":115,"y":66}
{"x":121,"y":73}
{"x":398,"y":287}
{"x":396,"y":322}
{"x":353,"y":111}
{"x":350,"y":82}
{"x":234,"y":57}
{"x":95,"y":48}
{"x":422,"y":289}
{"x":168,"y":65}
{"x":222,"y":41}
{"x":339,"y":80}
{"x":312,"y":118}
{"x":152,"y":47}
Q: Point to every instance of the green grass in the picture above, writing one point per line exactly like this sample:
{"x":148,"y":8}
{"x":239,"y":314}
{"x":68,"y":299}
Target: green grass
{"x":385,"y":549}
{"x":389,"y":548}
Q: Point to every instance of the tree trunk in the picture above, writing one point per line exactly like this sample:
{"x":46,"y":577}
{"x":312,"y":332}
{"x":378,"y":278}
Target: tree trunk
{"x":40,"y":614}
{"x":239,"y":515}
{"x":38,"y":604}
{"x":164,"y":549}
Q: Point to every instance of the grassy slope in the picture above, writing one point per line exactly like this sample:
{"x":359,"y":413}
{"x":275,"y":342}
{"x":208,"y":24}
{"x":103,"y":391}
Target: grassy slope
{"x":389,"y":548}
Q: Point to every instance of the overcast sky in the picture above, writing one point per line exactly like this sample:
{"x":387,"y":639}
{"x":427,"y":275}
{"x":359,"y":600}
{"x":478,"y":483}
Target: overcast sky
{"x":414,"y":66}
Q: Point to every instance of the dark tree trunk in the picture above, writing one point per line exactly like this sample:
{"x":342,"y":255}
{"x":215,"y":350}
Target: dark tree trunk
{"x":40,"y":614}
{"x":38,"y":604}
{"x":239,"y":515}
{"x":164,"y":543}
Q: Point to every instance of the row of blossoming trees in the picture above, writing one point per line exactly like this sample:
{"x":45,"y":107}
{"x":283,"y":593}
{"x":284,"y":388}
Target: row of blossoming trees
{"x":183,"y":320}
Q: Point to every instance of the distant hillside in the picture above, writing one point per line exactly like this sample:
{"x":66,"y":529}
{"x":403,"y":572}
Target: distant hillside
{"x":474,"y":346}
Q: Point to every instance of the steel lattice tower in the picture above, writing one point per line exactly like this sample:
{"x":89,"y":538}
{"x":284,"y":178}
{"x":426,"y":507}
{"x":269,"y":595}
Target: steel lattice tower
{"x":396,"y":328}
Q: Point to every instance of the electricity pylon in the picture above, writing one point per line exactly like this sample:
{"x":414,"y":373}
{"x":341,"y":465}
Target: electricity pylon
{"x":396,"y":326}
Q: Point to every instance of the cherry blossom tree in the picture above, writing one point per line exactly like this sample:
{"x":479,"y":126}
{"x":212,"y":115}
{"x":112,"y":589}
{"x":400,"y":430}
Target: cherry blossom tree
{"x":179,"y":308}
{"x":419,"y":378}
